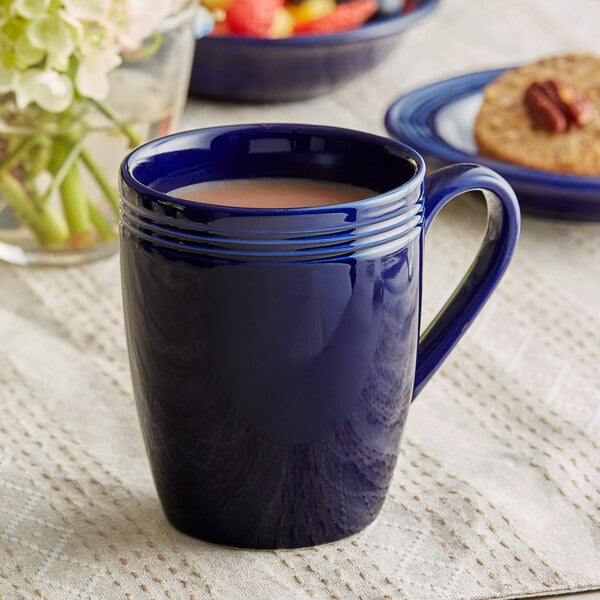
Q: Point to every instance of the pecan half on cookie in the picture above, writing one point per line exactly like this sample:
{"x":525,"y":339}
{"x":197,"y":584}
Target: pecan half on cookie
{"x":557,"y":106}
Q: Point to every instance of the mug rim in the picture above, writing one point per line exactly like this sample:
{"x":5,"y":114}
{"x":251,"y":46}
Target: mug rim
{"x":137,"y":155}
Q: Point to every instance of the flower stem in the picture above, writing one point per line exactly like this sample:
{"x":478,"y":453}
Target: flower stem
{"x":103,"y":227}
{"x":74,"y":199}
{"x":22,"y":150}
{"x":107,"y":111}
{"x":100,"y":180}
{"x":81,"y":212}
{"x":48,"y":226}
{"x":64,"y":156}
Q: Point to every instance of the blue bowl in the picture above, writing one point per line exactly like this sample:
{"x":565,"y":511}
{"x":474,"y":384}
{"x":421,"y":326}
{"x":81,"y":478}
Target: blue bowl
{"x":247,"y":69}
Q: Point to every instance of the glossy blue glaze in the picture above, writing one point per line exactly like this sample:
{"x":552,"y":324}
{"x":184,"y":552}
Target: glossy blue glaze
{"x":274,"y":351}
{"x":438,"y":119}
{"x":239,"y":68}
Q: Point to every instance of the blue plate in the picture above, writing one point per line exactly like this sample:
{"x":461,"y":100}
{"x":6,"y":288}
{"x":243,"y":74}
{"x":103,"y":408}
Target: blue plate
{"x":437,"y":120}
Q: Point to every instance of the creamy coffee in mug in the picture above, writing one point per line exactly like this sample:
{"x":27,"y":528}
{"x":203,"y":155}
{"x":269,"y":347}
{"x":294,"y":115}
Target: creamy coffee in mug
{"x":271,"y":193}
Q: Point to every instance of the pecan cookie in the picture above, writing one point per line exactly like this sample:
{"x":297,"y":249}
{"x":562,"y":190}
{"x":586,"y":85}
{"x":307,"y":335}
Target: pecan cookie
{"x":545,"y":115}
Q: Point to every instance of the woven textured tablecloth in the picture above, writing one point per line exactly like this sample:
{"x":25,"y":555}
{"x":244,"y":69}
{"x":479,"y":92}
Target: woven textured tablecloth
{"x":497,"y":490}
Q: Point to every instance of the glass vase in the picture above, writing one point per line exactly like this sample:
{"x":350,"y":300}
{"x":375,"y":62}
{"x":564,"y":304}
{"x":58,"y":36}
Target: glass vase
{"x":58,"y":173}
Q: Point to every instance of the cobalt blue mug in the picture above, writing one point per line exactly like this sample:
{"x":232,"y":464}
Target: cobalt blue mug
{"x":275,"y":352}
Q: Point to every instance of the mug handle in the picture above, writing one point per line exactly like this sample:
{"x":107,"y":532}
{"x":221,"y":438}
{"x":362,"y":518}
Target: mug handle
{"x":486,"y":270}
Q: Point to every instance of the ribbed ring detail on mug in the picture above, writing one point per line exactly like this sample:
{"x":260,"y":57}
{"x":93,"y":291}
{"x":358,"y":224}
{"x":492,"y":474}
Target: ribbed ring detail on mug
{"x":383,"y":243}
{"x":357,"y":234}
{"x":283,"y":223}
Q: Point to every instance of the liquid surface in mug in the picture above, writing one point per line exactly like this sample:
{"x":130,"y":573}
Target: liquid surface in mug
{"x":271,"y":193}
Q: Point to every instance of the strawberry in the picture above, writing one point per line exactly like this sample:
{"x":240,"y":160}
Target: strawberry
{"x":348,"y":15}
{"x":252,"y":17}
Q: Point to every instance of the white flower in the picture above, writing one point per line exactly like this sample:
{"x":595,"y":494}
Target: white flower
{"x":78,"y":29}
{"x":50,"y":33}
{"x":50,"y":90}
{"x":26,"y":54}
{"x":91,"y":78}
{"x":7,"y":79}
{"x":137,"y":21}
{"x":88,"y":10}
{"x":50,"y":48}
{"x":30,"y":8}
